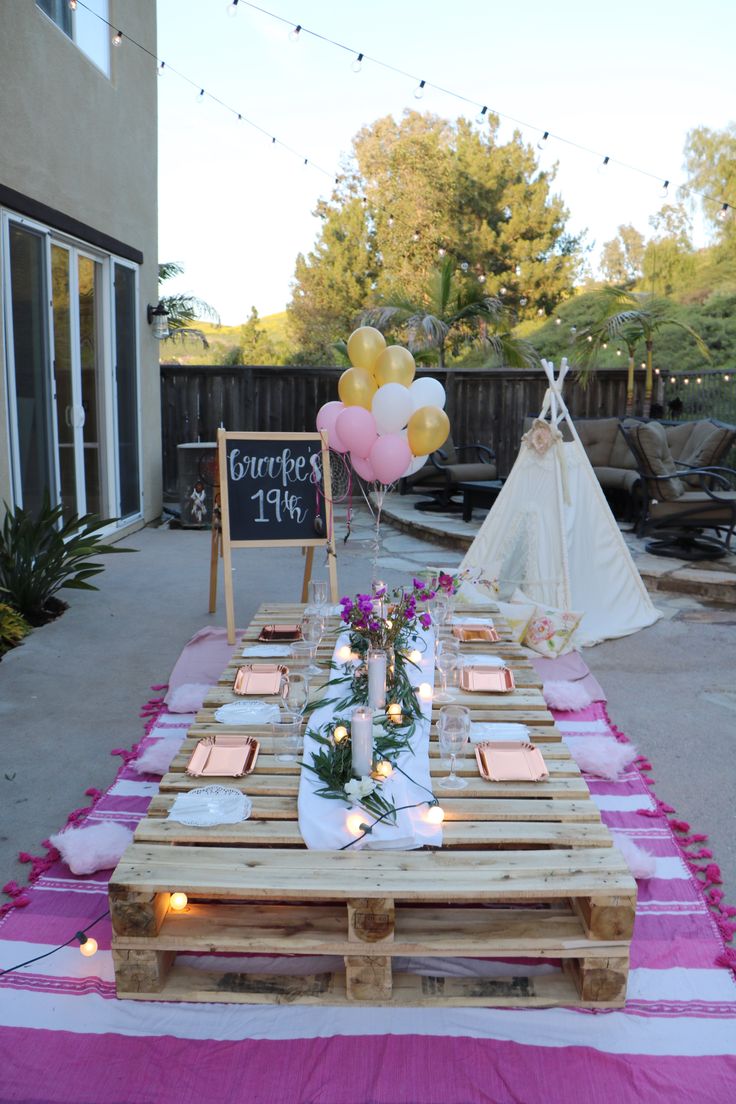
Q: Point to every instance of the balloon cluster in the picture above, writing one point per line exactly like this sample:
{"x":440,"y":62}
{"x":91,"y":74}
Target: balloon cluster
{"x":388,"y":421}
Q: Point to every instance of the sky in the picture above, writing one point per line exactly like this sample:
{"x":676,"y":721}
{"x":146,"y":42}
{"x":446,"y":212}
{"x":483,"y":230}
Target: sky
{"x":628,"y":80}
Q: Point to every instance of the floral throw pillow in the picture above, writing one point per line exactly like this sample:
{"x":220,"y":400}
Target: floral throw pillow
{"x":549,"y":631}
{"x":518,"y":615}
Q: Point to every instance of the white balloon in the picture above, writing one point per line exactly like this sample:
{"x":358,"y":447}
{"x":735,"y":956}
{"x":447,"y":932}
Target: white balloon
{"x":392,"y":407}
{"x":417,"y":463}
{"x":427,"y":392}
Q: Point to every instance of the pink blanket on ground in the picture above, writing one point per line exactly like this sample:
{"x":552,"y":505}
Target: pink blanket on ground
{"x":64,"y":1037}
{"x":568,"y":668}
{"x":203,"y":659}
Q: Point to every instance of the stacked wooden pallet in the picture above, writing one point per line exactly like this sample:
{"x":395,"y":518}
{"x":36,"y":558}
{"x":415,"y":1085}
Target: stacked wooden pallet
{"x":527,"y":870}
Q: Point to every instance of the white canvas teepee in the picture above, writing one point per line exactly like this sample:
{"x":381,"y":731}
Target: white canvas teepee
{"x":551,"y":533}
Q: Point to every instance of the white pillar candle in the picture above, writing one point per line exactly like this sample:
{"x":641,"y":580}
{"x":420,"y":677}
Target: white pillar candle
{"x":377,"y":662}
{"x":361,"y":738}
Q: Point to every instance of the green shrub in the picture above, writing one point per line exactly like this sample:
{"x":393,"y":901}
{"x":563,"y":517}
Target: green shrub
{"x":13,"y":627}
{"x":40,"y":555}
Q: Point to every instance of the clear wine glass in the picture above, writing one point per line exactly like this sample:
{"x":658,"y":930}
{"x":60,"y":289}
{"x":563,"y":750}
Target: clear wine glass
{"x":445,"y":661}
{"x":313,"y":627}
{"x":297,"y":693}
{"x":452,"y":644}
{"x":453,"y":735}
{"x":318,"y":593}
{"x":441,"y":611}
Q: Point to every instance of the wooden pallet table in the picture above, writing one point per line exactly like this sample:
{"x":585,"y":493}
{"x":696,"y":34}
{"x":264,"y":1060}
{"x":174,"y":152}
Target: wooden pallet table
{"x":526,"y":870}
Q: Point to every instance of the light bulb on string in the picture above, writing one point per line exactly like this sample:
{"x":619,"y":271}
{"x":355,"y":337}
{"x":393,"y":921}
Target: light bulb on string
{"x":589,"y":338}
{"x":699,"y":379}
{"x":723,"y":213}
{"x":482,"y":115}
{"x":726,"y":378}
{"x":160,"y":70}
{"x":523,"y":301}
{"x":482,"y":278}
{"x":232,"y":8}
{"x":686,"y":380}
{"x":542,"y":143}
{"x":604,"y":164}
{"x":200,"y":97}
{"x":72,"y":5}
{"x":295,"y":32}
{"x":665,"y":190}
{"x":419,"y":90}
{"x":558,"y":321}
{"x":87,"y":945}
{"x":502,"y":290}
{"x":618,"y":352}
{"x":441,"y":251}
{"x":178,"y":901}
{"x":390,"y":220}
{"x":435,"y":814}
{"x":673,"y":379}
{"x":656,"y":371}
{"x":540,"y":311}
{"x":573,"y":330}
{"x":415,"y":236}
{"x":605,"y":344}
{"x":117,"y":38}
{"x":357,"y":64}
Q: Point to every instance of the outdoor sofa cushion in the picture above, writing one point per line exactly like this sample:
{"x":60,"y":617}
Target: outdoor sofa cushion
{"x":696,"y":500}
{"x":652,"y":441}
{"x":706,"y":444}
{"x":598,"y":436}
{"x":617,"y":479}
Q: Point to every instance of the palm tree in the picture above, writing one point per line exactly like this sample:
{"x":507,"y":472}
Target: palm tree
{"x":183,"y":309}
{"x":452,"y":307}
{"x":631,"y":316}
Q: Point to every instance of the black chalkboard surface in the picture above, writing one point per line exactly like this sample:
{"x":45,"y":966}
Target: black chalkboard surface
{"x":274,"y":489}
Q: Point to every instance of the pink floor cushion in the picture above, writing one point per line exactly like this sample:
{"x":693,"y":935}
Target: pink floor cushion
{"x":641,"y":863}
{"x":188,"y":697}
{"x":156,"y":758}
{"x":99,"y":847}
{"x":601,"y":755}
{"x":565,"y":696}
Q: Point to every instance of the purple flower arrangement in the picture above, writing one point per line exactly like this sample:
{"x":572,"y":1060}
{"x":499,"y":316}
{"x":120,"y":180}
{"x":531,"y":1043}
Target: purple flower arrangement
{"x":366,"y":617}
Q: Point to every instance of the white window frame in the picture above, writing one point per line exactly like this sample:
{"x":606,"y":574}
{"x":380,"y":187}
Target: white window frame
{"x":107,"y":408}
{"x":103,"y":66}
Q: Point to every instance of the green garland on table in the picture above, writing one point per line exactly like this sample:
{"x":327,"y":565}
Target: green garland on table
{"x":333,"y":765}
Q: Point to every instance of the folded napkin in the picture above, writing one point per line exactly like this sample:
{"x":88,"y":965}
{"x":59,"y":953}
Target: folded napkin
{"x":267,"y":650}
{"x":247,"y":713}
{"x":487,"y":621}
{"x":485,"y":659}
{"x":490,"y":730}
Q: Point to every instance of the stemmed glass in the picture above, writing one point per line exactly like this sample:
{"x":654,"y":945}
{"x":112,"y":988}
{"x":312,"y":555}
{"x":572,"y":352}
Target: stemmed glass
{"x":441,"y":610}
{"x":446,"y":661}
{"x":297,"y":693}
{"x":318,"y":593}
{"x":313,"y":627}
{"x":453,"y":727}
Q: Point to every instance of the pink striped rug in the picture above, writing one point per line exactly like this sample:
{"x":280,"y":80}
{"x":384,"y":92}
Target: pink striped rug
{"x":66,"y":1038}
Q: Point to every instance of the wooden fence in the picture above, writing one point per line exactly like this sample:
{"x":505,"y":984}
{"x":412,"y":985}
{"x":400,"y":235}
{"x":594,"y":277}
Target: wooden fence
{"x":484,"y":406}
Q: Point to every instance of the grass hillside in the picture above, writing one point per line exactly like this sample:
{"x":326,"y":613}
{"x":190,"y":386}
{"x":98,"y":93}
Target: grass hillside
{"x":223,"y":342}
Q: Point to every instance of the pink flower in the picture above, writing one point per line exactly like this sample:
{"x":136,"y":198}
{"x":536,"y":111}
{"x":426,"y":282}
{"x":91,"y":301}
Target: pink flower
{"x":540,"y":628}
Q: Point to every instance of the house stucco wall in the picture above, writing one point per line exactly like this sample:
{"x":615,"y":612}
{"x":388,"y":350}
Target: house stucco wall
{"x":86,"y":146}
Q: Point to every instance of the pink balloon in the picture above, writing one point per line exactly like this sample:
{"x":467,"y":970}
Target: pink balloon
{"x":326,"y":419}
{"x":390,"y":457}
{"x":363,"y":468}
{"x":357,"y":427}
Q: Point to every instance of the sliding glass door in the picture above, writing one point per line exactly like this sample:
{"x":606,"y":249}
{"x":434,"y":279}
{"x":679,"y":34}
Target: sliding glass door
{"x":72,"y":355}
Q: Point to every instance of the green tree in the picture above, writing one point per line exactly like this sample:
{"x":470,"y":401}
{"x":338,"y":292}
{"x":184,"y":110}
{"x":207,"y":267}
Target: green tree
{"x":669,"y":261}
{"x":424,"y":187}
{"x":183,"y":308}
{"x":256,"y":347}
{"x":710,"y":159}
{"x":621,"y":258}
{"x":631,"y":317}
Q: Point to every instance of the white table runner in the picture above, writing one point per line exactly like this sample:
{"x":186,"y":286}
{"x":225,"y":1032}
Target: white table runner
{"x":323,"y":821}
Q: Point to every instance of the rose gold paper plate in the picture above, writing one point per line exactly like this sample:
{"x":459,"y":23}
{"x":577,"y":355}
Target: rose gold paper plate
{"x":281,"y":634}
{"x":224,"y":757}
{"x":489,"y":680}
{"x":259,"y":678}
{"x":470,"y":633}
{"x":510,"y":761}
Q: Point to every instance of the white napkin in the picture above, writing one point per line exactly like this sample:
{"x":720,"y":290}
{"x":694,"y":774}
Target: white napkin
{"x":486,"y":621}
{"x":267,"y":650}
{"x":483,"y":659}
{"x":247,"y":713}
{"x":490,"y":730}
{"x":211,"y":805}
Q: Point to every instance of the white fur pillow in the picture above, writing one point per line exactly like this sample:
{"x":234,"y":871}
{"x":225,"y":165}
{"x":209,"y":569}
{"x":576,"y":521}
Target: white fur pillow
{"x":188,"y":697}
{"x":156,"y":758}
{"x":641,"y":863}
{"x":601,"y":755}
{"x":566,"y":696}
{"x":99,"y":847}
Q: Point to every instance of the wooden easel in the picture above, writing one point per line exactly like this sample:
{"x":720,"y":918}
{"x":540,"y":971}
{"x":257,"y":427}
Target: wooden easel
{"x":222,"y":544}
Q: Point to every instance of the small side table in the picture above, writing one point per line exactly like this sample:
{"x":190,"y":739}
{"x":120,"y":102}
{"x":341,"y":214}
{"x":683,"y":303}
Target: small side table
{"x":483,"y":493}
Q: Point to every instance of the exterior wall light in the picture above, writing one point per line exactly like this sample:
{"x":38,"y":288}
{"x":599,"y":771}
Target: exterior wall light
{"x":158,"y":318}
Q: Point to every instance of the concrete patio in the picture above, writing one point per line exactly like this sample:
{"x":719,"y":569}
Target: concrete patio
{"x":72,"y":692}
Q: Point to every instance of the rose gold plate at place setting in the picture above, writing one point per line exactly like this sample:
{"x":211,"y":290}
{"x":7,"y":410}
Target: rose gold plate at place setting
{"x":469,"y":633}
{"x":489,"y":680}
{"x":224,"y":757}
{"x":280,"y":634}
{"x":259,"y":678}
{"x":510,"y":761}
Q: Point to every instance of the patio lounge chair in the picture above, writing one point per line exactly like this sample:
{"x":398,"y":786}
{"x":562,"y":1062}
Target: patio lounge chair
{"x":446,"y":468}
{"x":679,"y":501}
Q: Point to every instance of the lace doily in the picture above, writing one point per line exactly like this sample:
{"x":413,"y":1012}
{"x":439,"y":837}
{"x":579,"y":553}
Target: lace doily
{"x":209,"y":805}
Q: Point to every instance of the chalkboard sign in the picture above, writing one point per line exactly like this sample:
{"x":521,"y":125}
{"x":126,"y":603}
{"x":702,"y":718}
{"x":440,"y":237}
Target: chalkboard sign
{"x":275,"y":490}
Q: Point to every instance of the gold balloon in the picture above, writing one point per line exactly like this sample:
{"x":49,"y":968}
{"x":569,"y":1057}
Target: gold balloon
{"x":364,"y":345}
{"x":356,"y":388}
{"x":394,"y":365}
{"x":428,"y":429}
